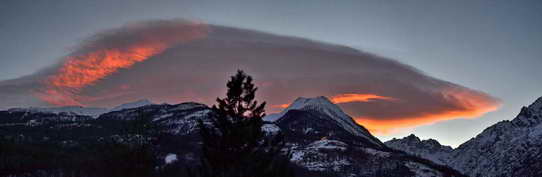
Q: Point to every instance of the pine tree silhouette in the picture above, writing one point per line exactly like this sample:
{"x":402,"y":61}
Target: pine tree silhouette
{"x":234,"y":145}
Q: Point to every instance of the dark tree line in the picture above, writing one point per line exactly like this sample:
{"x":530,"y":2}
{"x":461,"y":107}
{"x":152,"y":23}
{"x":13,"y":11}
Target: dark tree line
{"x":87,"y":156}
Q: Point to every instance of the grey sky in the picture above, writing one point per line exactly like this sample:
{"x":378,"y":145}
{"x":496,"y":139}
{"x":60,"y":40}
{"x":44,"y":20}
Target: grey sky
{"x":492,"y":46}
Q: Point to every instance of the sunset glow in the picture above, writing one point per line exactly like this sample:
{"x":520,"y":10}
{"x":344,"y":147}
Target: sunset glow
{"x":300,"y":88}
{"x":470,"y":106}
{"x":78,"y":80}
{"x":83,"y":70}
{"x":282,"y":106}
{"x":86,"y":69}
{"x":348,"y":98}
{"x":352,"y":97}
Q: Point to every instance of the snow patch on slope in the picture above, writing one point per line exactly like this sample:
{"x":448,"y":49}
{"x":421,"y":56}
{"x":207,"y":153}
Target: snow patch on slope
{"x":328,"y":145}
{"x":131,"y":105}
{"x":270,"y":129}
{"x":421,"y":170}
{"x":170,"y":158}
{"x":317,"y":156}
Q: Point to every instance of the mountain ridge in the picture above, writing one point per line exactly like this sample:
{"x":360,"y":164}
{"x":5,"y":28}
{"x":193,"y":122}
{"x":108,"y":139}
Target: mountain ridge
{"x":507,"y":148}
{"x":94,"y":112}
{"x":321,"y":138}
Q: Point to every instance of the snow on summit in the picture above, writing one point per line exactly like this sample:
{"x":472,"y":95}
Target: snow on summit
{"x":325,"y":106}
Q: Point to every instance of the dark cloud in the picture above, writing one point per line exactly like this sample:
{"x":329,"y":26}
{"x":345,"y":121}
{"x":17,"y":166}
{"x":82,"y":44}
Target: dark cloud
{"x":196,"y":68}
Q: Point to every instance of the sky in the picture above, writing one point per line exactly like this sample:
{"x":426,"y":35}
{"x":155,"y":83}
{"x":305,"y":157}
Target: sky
{"x":490,"y":46}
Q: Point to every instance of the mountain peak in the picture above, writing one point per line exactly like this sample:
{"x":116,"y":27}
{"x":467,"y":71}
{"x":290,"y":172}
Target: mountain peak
{"x":320,"y":104}
{"x":415,"y":140}
{"x":537,"y":105}
{"x":135,"y":104}
{"x":324,"y":106}
{"x":412,"y":137}
{"x":301,"y":103}
{"x":316,"y":101}
{"x":531,"y":115}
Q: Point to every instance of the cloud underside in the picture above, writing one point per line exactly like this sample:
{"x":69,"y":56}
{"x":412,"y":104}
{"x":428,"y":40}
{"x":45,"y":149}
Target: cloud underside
{"x":175,"y":61}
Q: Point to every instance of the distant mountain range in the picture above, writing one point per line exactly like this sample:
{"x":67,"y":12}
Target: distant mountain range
{"x":508,"y":148}
{"x":321,"y":139}
{"x":84,"y":111}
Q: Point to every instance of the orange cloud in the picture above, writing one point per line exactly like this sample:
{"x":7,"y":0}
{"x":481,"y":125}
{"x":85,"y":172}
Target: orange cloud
{"x":83,"y":70}
{"x":348,"y":98}
{"x":470,"y":105}
{"x":91,"y":65}
{"x":354,"y":97}
{"x":383,"y":95}
{"x":281,"y":106}
{"x":464,"y":103}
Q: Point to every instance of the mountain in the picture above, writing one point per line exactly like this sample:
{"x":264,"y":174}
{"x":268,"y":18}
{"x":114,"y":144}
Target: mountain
{"x":23,"y":117}
{"x":79,"y":110}
{"x":324,"y":140}
{"x":508,"y":148}
{"x":180,"y":119}
{"x":321,"y":109}
{"x":321,"y":140}
{"x":429,"y":149}
{"x":135,"y":104}
{"x":84,"y":111}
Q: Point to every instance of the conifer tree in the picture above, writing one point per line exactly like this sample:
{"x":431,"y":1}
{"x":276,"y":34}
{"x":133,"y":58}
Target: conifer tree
{"x":234,"y":145}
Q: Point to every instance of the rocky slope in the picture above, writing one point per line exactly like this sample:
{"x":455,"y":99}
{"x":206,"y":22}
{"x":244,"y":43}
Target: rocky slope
{"x":429,"y":149}
{"x":508,"y":148}
{"x":179,"y":119}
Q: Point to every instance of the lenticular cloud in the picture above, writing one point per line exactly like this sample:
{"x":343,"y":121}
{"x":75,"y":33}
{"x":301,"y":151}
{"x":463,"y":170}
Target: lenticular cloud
{"x":177,"y":60}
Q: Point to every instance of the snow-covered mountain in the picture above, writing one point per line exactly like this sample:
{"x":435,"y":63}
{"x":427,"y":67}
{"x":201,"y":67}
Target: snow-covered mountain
{"x":508,"y":148}
{"x":180,"y":119}
{"x":79,"y":110}
{"x":320,"y":138}
{"x":323,"y":139}
{"x":429,"y":149}
{"x":331,"y":112}
{"x":17,"y":117}
{"x":84,"y":111}
{"x":135,"y":104}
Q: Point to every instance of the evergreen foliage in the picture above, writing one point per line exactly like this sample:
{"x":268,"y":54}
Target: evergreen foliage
{"x":234,"y":144}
